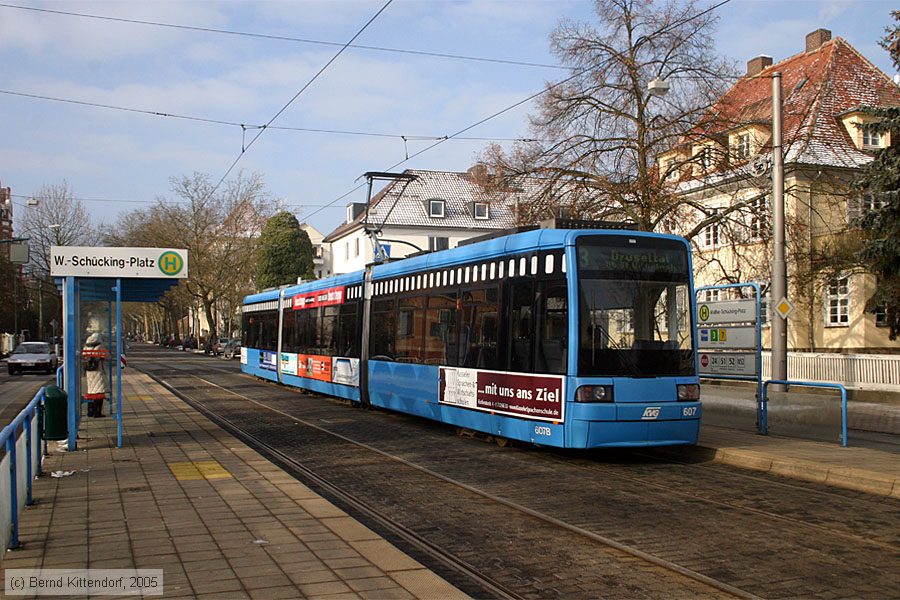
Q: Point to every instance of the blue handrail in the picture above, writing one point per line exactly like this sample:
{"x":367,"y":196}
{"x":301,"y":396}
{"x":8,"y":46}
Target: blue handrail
{"x":9,"y":438}
{"x":817,"y":384}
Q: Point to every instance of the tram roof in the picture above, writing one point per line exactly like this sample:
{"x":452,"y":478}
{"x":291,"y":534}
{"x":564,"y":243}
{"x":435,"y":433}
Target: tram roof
{"x":512,"y":244}
{"x":518,"y":243}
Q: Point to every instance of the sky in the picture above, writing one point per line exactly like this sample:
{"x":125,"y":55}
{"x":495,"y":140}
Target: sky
{"x":120,"y":160}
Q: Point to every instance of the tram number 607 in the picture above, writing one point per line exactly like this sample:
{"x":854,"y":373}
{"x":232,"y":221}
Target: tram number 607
{"x":689,"y":411}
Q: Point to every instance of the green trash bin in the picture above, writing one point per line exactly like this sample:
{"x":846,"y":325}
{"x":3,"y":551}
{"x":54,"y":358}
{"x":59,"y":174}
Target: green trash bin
{"x":56,"y":409}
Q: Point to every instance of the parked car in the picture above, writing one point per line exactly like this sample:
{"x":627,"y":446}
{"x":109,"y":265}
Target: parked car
{"x":32,"y":356}
{"x":232,"y":348}
{"x":189,"y":343}
{"x":215,"y":347}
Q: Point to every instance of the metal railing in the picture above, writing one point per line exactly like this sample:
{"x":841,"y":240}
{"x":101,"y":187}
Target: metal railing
{"x":22,"y":436}
{"x":816,"y":384}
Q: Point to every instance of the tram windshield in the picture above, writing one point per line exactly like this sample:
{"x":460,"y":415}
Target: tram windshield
{"x":634,"y":307}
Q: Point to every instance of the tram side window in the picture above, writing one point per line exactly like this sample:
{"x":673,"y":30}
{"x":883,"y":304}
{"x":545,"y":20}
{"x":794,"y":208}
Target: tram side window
{"x":521,"y":326}
{"x":288,"y":329}
{"x":248,"y":331}
{"x":552,"y":327}
{"x":381,"y":336}
{"x":410,"y":329}
{"x":329,"y":331}
{"x":307,"y":331}
{"x":441,"y":330}
{"x":348,"y":333}
{"x":478,"y":328}
{"x":261,"y":330}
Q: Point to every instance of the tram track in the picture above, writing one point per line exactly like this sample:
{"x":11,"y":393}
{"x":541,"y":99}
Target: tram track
{"x":669,"y":491}
{"x":445,"y":559}
{"x":806,"y":556}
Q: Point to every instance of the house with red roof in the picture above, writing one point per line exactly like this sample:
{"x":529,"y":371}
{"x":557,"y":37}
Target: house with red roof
{"x":722,"y":168}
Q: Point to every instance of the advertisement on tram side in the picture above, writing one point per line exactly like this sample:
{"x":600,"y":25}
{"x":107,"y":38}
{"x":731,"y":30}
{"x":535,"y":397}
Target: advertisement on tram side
{"x":328,"y":297}
{"x":268,"y":360}
{"x":314,"y":367}
{"x":538,"y":397}
{"x":288,"y":363}
{"x":345,"y":371}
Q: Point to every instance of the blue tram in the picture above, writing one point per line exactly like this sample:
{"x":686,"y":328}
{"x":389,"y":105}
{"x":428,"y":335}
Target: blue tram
{"x":567,"y":338}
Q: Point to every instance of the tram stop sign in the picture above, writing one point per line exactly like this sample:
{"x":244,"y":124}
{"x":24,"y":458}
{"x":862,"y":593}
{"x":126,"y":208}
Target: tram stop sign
{"x":784,"y":308}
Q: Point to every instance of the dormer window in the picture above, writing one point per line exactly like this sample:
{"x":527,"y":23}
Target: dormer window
{"x":672,"y":173}
{"x":704,"y":157}
{"x":871,"y":138}
{"x":742,"y":148}
{"x":481,"y":210}
{"x":437,"y":208}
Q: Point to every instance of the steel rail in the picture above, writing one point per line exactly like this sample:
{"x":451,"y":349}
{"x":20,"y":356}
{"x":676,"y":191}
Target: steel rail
{"x":655,"y":560}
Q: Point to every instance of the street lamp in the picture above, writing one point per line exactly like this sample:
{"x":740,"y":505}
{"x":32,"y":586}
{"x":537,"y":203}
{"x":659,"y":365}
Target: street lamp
{"x":658,"y":87}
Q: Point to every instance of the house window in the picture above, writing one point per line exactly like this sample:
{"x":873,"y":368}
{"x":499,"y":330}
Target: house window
{"x":711,"y":295}
{"x":872,"y":202}
{"x":356,"y":247}
{"x":880,"y":317}
{"x":438,"y":243}
{"x":704,"y":157}
{"x":765,"y":314}
{"x":672,"y":169}
{"x":759,"y":218}
{"x":711,"y":234}
{"x":346,"y":250}
{"x":481,"y":210}
{"x":837,"y":301}
{"x":437,"y":208}
{"x":742,"y":148}
{"x":871,"y":138}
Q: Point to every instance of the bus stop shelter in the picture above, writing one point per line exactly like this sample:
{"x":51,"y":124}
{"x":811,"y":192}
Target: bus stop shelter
{"x":95,"y":281}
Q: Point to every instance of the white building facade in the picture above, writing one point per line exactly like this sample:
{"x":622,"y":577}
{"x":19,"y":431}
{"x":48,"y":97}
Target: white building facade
{"x":434,"y":211}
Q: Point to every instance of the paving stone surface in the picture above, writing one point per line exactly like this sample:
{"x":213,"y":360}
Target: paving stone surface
{"x":221,"y":521}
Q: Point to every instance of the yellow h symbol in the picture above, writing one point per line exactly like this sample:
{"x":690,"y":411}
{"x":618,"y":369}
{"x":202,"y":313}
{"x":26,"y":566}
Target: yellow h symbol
{"x":170,"y":263}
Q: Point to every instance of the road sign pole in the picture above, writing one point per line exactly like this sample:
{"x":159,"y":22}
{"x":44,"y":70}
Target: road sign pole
{"x":779,"y":268}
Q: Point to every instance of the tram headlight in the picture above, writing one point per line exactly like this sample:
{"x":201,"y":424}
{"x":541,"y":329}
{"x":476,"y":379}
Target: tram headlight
{"x":688,"y":392}
{"x":594,"y":393}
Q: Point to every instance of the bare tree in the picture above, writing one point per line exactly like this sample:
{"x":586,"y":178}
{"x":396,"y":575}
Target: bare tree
{"x":57,"y":219}
{"x":218,"y":226}
{"x":600,"y":133}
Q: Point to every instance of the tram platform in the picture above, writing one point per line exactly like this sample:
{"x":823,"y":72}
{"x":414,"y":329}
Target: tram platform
{"x":184,"y":496}
{"x":862,"y":469}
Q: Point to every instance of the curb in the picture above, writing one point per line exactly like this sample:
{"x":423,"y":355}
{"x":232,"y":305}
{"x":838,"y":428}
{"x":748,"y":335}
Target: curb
{"x":861,"y":480}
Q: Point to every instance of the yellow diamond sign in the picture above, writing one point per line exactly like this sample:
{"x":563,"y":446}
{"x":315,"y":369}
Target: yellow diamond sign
{"x":784,"y":307}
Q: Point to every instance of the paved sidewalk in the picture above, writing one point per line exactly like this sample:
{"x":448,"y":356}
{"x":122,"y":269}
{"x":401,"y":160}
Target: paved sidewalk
{"x":223,"y":522}
{"x":863,"y":469}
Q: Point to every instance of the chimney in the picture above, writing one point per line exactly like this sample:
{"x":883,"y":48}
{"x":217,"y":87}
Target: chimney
{"x":756,"y":65}
{"x":478,"y":171}
{"x":815,"y":39}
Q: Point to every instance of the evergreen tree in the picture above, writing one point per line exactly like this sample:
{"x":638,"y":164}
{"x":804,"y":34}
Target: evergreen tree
{"x":285,"y":252}
{"x":881,"y":227}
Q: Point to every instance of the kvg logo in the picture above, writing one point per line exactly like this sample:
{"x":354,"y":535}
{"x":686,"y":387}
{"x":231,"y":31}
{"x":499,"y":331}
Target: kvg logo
{"x":651,"y":412}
